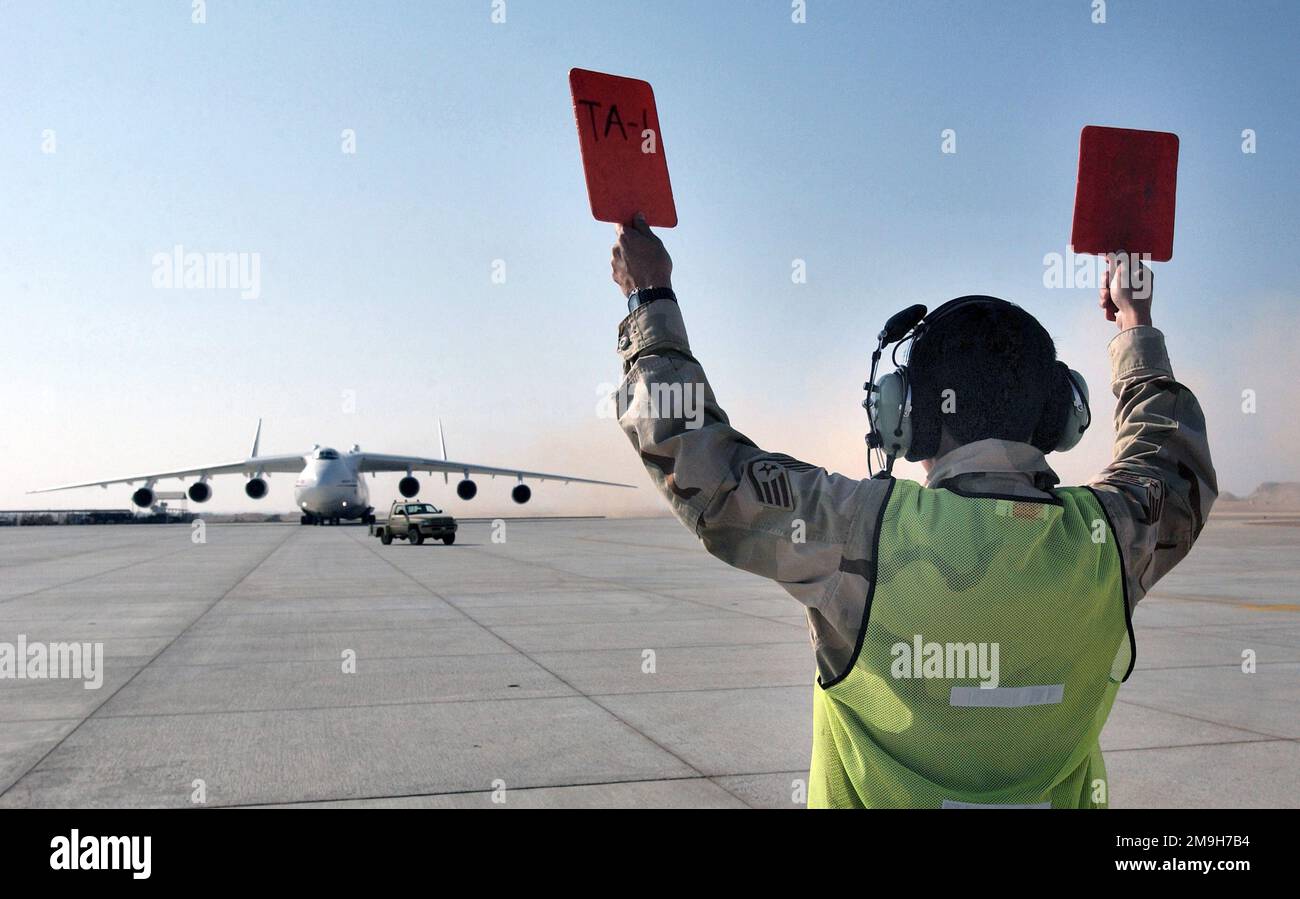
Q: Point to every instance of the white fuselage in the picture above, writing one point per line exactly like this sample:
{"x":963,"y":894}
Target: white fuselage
{"x":329,"y":486}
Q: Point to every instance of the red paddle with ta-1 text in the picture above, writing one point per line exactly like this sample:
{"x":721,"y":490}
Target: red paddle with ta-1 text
{"x":622,"y":149}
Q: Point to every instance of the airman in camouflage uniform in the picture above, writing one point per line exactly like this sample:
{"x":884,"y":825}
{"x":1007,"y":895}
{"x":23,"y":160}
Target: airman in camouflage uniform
{"x":741,"y":500}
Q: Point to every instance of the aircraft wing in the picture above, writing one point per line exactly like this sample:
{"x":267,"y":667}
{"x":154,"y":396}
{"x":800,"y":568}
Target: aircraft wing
{"x":376,"y":462}
{"x":290,"y":464}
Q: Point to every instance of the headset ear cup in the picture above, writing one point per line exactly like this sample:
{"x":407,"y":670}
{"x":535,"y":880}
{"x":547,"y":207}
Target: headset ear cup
{"x":1078,"y":414}
{"x":889,"y":416}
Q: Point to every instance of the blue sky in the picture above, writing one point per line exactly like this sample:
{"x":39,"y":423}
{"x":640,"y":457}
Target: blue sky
{"x":816,"y":141}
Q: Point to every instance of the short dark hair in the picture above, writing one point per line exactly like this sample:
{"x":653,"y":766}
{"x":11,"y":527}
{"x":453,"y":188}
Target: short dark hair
{"x":1000,"y":364}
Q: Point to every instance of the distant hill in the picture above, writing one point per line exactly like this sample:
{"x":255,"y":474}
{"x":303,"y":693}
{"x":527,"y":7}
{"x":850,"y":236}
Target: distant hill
{"x":1271,"y":496}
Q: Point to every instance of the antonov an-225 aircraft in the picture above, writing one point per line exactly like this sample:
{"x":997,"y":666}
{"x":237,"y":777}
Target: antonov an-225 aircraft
{"x":330,"y":486}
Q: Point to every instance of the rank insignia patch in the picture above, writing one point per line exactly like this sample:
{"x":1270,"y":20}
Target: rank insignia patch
{"x":771,"y":484}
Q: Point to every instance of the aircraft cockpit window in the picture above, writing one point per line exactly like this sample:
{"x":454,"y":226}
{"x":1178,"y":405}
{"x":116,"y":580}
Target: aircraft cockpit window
{"x":327,"y":454}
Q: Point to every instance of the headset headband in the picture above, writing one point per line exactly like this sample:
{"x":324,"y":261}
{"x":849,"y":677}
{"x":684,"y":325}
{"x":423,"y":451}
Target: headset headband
{"x":953,"y":305}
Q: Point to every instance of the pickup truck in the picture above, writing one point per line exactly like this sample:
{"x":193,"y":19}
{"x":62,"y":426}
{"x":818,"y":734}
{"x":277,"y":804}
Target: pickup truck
{"x":415,"y":522}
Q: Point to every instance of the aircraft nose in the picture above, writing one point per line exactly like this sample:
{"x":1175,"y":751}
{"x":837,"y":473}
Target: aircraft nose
{"x":334,"y":499}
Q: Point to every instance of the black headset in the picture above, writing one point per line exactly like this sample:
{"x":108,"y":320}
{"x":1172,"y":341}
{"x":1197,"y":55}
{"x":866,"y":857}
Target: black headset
{"x":894,"y":430}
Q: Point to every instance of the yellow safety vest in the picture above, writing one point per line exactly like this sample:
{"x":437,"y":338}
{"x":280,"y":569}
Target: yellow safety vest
{"x":995,"y":637}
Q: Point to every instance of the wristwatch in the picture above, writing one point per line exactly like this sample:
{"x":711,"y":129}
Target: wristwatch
{"x":649,"y":295}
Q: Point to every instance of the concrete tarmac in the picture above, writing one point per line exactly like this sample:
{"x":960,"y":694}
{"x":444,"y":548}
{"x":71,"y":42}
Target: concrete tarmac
{"x":579,"y":663}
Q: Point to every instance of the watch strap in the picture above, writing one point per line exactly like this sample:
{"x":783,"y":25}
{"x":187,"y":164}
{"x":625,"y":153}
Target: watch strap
{"x":649,"y":295}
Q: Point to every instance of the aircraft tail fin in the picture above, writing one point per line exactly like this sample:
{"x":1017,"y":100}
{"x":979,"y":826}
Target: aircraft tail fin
{"x":443,"y":441}
{"x":257,"y":440}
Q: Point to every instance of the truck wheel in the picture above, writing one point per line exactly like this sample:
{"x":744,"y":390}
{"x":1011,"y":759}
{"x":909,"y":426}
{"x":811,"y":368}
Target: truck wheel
{"x":449,"y":539}
{"x":386,"y":537}
{"x":415,"y":536}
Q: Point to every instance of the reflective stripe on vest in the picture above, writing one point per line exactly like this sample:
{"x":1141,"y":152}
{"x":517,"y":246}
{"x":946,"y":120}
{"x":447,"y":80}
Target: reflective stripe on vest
{"x":996,"y":635}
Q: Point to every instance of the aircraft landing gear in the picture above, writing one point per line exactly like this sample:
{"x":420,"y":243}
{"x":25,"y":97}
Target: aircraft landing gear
{"x":320,"y":520}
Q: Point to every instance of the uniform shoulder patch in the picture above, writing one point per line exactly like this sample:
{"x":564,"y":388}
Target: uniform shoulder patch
{"x":771,"y":482}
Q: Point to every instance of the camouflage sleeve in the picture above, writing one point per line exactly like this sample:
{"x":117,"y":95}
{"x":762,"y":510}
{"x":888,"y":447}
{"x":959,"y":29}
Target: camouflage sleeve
{"x":764,"y":512}
{"x":1159,"y":489}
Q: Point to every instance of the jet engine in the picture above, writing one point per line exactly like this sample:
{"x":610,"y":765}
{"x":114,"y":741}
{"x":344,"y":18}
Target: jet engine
{"x":255,"y":488}
{"x":408,"y":486}
{"x":199,"y":492}
{"x":521,"y":494}
{"x":467,"y":489}
{"x":143,"y":497}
